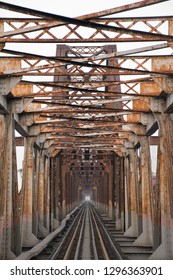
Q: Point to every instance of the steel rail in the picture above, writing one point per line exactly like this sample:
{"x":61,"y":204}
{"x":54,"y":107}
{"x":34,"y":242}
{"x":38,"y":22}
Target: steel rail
{"x":75,"y":234}
{"x":107,"y":235}
{"x":101,"y":241}
{"x":80,"y":229}
{"x":93,"y":242}
{"x":77,"y":252}
{"x":61,"y":244}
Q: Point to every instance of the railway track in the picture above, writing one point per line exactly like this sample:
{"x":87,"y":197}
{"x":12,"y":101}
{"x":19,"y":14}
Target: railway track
{"x":84,"y":237}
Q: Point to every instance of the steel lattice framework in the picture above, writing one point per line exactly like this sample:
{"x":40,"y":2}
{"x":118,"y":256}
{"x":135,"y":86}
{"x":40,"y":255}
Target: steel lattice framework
{"x":89,"y":101}
{"x":81,"y":87}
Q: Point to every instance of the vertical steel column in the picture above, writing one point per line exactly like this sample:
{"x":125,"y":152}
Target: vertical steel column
{"x":67,"y":186}
{"x":119,"y":193}
{"x":61,"y":51}
{"x":139,"y":176}
{"x":52,"y":182}
{"x":113,"y":78}
{"x":165,"y":154}
{"x":74,"y":191}
{"x":57,"y":192}
{"x":36,"y":168}
{"x":47,"y":195}
{"x":43,"y":232}
{"x":146,"y":238}
{"x":127,"y":194}
{"x":16,"y":235}
{"x":156,"y":206}
{"x":64,"y":190}
{"x":133,"y":229}
{"x":28,"y":238}
{"x":101,"y":193}
{"x":94,"y":195}
{"x":2,"y":190}
{"x":105,"y":192}
{"x":10,"y":240}
{"x":110,"y":189}
{"x":122,"y":193}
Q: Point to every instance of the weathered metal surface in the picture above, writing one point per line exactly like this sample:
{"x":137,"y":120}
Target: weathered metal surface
{"x":28,"y":238}
{"x":147,"y":87}
{"x":115,"y":67}
{"x":87,"y":23}
{"x":10,"y":217}
{"x":85,"y":127}
{"x":7,"y":64}
{"x":2,"y":191}
{"x":169,"y":104}
{"x":154,"y":140}
{"x":166,"y":83}
{"x":7,"y":84}
{"x":163,"y":194}
{"x":146,"y":237}
{"x":145,"y":36}
{"x":125,"y":8}
{"x":132,"y":229}
{"x":163,"y":64}
{"x":170,"y":27}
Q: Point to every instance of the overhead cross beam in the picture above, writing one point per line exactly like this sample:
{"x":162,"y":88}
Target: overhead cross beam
{"x":86,"y":23}
{"x":84,"y":100}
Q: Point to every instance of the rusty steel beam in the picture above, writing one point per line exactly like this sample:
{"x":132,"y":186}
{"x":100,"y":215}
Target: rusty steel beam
{"x":85,"y":17}
{"x":50,"y":24}
{"x":112,"y":148}
{"x":101,"y":113}
{"x":119,"y":54}
{"x":115,"y":10}
{"x":92,"y":90}
{"x":110,"y":117}
{"x":124,"y":8}
{"x":125,"y":19}
{"x":84,"y":101}
{"x":79,"y":22}
{"x":83,"y":61}
{"x":154,"y":140}
{"x":47,"y":84}
{"x":74,"y":62}
{"x":108,"y":138}
{"x":116,"y":19}
{"x":89,"y":40}
{"x":84,"y":38}
{"x":19,"y":141}
{"x":107,"y":94}
{"x":59,"y":128}
{"x":85,"y":123}
{"x":83,"y":141}
{"x":77,"y":144}
{"x":2,"y":46}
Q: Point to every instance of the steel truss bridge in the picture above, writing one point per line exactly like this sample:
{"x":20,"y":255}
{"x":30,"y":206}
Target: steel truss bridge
{"x":87,"y":117}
